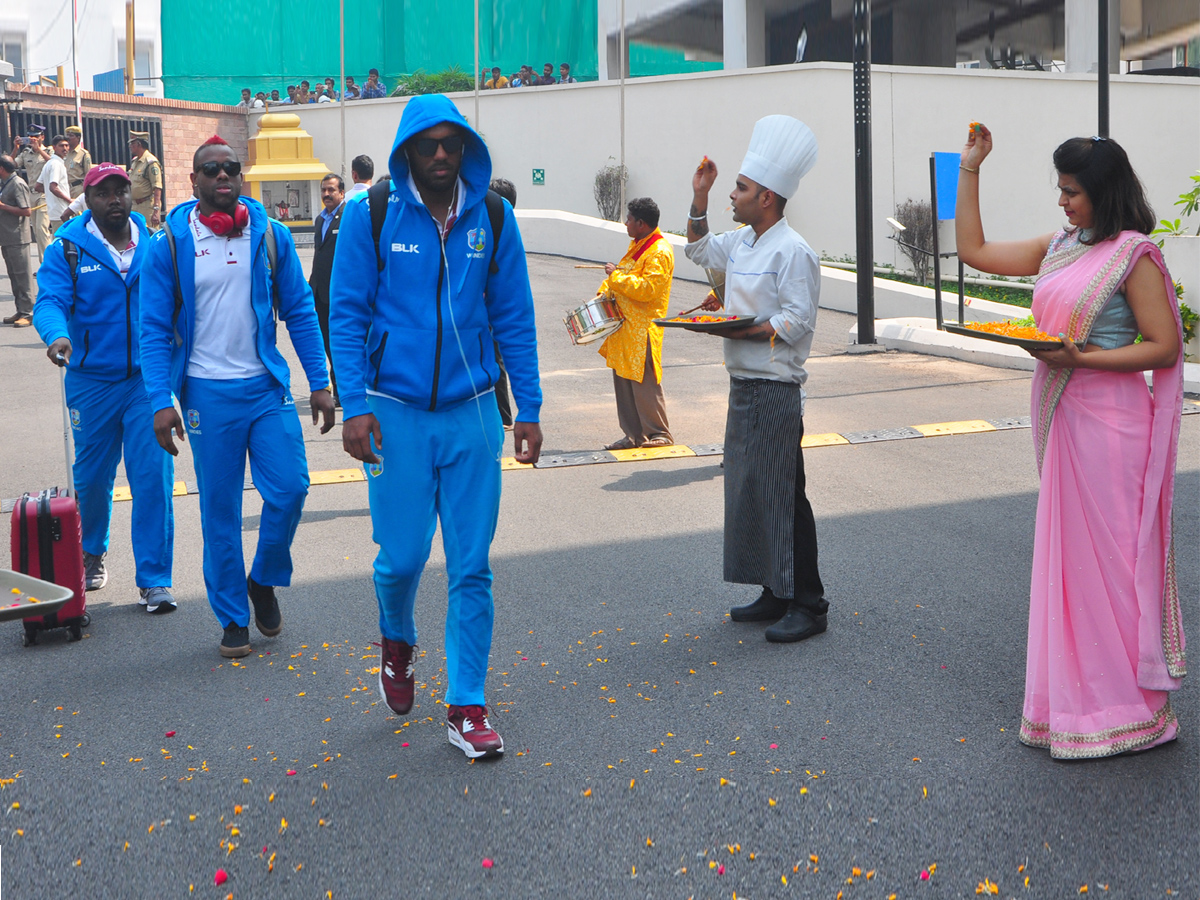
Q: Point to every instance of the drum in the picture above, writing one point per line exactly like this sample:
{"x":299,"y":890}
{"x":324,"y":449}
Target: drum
{"x":596,"y":319}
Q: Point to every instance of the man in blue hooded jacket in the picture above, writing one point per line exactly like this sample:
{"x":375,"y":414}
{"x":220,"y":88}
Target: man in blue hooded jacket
{"x":87,"y":313}
{"x":412,"y":320}
{"x":209,"y":312}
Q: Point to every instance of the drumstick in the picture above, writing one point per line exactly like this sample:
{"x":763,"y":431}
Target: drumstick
{"x":588,"y":266}
{"x":693,"y":309}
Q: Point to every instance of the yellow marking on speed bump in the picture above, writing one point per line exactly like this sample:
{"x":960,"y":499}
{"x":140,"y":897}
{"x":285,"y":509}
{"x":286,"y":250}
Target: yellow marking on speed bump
{"x":675,"y":450}
{"x":336,"y":476}
{"x":180,"y":489}
{"x":508,"y":464}
{"x":822,"y":440}
{"x":121,"y":493}
{"x":971,"y":426}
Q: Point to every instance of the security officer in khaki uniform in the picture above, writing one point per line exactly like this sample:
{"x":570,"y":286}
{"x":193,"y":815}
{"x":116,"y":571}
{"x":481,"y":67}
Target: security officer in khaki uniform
{"x":145,"y":179}
{"x":78,"y":160}
{"x":33,"y":158}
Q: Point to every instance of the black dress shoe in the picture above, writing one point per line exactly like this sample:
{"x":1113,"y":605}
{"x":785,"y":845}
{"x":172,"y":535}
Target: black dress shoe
{"x":267,"y":618}
{"x":798,"y":624}
{"x":767,"y":608}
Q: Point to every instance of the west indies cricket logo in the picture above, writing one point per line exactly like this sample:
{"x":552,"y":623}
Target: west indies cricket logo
{"x":477,"y":239}
{"x":193,"y":418}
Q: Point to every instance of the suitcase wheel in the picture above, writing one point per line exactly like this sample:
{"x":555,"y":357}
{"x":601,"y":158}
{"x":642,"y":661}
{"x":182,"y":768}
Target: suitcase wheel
{"x":85,"y":620}
{"x":74,"y":632}
{"x":31,"y":635}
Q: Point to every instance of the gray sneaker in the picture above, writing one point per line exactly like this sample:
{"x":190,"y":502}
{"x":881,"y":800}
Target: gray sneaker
{"x":94,"y":574}
{"x":157,"y":600}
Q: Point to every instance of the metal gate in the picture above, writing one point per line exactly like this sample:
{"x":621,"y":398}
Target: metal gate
{"x":105,"y":137}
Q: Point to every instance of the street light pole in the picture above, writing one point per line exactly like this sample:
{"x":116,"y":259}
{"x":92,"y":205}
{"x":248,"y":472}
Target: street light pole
{"x":1102,"y":70}
{"x":621,"y":99}
{"x":864,"y":247}
{"x":342,"y":75}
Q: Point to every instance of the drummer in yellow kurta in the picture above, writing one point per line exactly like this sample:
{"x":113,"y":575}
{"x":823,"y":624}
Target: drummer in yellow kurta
{"x":641,"y":285}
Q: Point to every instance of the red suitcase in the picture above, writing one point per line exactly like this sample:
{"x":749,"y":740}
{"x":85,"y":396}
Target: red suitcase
{"x":47,"y":544}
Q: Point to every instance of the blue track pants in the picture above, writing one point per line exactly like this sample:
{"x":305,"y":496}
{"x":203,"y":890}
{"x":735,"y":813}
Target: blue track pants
{"x":226,"y":420}
{"x":108,"y":417}
{"x":438,"y":466}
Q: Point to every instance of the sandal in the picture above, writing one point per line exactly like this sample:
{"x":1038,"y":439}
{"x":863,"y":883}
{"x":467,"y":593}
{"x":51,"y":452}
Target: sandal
{"x":623,"y":444}
{"x":659,"y":442}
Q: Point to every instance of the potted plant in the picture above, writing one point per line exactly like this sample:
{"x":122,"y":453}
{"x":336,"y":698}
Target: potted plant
{"x":1181,"y":250}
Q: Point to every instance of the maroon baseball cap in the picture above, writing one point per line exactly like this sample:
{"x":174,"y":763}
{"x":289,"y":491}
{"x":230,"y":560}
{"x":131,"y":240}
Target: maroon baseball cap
{"x":96,"y":174}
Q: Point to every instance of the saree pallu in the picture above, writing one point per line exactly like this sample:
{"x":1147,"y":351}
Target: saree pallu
{"x":1106,"y":640}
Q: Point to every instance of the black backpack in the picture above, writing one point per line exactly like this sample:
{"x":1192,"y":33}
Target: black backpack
{"x":377,"y":200}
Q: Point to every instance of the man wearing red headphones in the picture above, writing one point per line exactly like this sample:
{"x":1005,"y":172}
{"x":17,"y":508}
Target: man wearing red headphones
{"x":214,"y":286}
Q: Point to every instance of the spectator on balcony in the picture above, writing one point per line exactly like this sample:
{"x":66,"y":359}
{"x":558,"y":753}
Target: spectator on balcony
{"x":291,"y":96}
{"x":303,"y":94}
{"x":320,"y":95}
{"x":246,"y":100}
{"x":352,"y":91}
{"x":275,"y":101}
{"x":496,"y":82}
{"x":547,"y":75}
{"x":260,"y":101}
{"x":564,"y":74}
{"x":374,"y":89}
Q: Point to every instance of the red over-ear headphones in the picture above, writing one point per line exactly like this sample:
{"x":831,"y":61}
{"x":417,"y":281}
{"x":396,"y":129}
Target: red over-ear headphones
{"x":222,"y":223}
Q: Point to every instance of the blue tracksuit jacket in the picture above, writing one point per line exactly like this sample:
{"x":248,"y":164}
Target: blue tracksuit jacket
{"x":103,"y":335}
{"x":407,"y":331}
{"x":167,"y":345}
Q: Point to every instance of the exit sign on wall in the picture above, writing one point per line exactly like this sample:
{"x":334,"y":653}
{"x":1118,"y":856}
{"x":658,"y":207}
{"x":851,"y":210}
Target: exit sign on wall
{"x":539,"y":176}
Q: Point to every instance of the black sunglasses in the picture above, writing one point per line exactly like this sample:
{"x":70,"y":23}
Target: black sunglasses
{"x":427,"y":147}
{"x":232,"y":168}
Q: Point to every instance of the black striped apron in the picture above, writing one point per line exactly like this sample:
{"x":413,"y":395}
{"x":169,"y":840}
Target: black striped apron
{"x":762,"y":438}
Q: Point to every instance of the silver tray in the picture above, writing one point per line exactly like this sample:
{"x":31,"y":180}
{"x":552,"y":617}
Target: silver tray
{"x":51,"y":597}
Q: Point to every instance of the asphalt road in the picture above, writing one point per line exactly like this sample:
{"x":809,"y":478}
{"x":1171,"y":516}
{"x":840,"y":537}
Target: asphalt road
{"x":655,"y":749}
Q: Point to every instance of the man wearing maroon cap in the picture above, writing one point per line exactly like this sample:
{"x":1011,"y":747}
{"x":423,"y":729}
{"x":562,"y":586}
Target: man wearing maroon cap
{"x":88,"y":315}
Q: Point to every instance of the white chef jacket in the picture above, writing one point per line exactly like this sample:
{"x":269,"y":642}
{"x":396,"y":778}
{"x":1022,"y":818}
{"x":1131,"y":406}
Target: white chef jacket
{"x":776,"y":278}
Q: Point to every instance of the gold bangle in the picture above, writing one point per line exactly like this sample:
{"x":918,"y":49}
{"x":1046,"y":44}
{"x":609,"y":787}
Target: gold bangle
{"x":968,"y":169}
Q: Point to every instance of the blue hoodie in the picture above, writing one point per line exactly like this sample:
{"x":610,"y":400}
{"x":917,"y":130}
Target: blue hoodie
{"x":99,"y":313}
{"x":167,"y":345}
{"x":421,"y":331}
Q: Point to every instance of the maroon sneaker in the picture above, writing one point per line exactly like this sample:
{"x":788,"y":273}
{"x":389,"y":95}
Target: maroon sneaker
{"x":396,"y":675}
{"x":471,"y":732}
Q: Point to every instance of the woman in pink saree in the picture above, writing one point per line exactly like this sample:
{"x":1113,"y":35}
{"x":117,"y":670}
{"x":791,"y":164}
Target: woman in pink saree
{"x":1106,"y":643}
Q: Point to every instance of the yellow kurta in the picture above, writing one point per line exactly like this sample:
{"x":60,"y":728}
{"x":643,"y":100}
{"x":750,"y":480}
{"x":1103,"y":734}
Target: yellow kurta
{"x":642,"y":288}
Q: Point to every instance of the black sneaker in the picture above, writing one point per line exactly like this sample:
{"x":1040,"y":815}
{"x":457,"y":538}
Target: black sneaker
{"x":236,"y":642}
{"x":767,"y":608}
{"x":94,"y":573}
{"x":267,"y":618}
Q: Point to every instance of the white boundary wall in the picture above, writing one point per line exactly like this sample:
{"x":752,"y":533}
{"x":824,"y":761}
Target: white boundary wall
{"x":571,"y":131}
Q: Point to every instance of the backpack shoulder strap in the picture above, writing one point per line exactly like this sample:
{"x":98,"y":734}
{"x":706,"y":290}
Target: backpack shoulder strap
{"x":272,"y":260}
{"x":377,"y":200}
{"x":495,"y":211}
{"x":71,"y":252}
{"x":170,"y":238}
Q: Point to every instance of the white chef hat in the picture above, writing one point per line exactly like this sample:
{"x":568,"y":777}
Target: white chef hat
{"x":782,"y":150}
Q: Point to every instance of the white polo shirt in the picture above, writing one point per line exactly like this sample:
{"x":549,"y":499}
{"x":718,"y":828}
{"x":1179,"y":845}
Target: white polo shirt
{"x":122,"y":258}
{"x":224,"y":343}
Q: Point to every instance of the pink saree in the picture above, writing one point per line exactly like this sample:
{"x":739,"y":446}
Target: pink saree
{"x":1106,"y":640}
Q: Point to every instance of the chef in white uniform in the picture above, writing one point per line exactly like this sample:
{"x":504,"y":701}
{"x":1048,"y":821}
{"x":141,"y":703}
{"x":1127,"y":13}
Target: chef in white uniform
{"x":773,"y":275}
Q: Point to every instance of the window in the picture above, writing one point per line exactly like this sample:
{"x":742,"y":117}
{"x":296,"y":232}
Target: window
{"x":143,"y":72}
{"x":12,"y":50}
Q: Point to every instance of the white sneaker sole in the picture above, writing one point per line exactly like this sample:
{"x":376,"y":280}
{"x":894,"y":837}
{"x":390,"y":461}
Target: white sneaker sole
{"x":462,"y":744}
